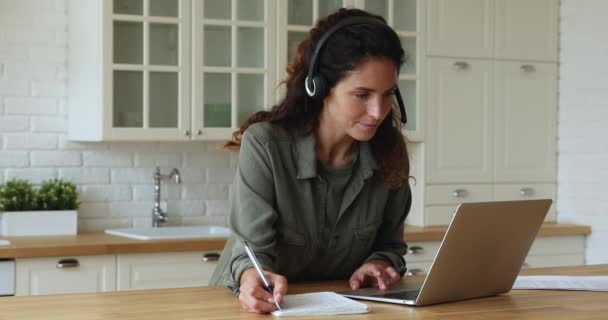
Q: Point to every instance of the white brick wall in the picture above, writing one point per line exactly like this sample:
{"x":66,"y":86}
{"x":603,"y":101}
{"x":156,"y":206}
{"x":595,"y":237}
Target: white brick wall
{"x":583,"y":121}
{"x":114,"y":179}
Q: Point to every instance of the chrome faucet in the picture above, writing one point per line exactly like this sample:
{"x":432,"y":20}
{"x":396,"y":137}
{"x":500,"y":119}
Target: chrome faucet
{"x":158,"y":215}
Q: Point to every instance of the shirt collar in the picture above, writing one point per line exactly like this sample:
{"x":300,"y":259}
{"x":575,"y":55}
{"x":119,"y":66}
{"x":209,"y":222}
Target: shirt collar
{"x":307,"y":160}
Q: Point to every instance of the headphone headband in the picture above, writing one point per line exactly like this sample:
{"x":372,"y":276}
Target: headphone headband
{"x":343,"y":23}
{"x":313,"y":83}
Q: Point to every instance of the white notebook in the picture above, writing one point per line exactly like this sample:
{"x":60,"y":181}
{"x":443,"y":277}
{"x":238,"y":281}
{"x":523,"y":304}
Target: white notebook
{"x":319,"y":304}
{"x":586,"y":283}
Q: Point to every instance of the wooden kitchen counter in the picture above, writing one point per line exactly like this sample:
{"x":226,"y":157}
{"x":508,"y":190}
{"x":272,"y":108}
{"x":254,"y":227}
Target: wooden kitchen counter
{"x":100,"y":243}
{"x":416,"y":233}
{"x":219,"y":303}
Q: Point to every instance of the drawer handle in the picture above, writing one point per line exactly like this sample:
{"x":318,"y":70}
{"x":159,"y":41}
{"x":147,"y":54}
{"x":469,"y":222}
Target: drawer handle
{"x":459,"y":193}
{"x":414,"y":272}
{"x":527,"y":68}
{"x":67,"y":263}
{"x":211,"y":257}
{"x":415,"y":250}
{"x":526,"y":192}
{"x":461,"y":65}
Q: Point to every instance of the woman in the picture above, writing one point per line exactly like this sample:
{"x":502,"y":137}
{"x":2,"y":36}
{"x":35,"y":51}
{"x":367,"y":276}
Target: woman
{"x":321,"y":189}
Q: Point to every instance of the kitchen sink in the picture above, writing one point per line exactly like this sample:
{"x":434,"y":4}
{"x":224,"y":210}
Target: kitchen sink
{"x":177,"y":232}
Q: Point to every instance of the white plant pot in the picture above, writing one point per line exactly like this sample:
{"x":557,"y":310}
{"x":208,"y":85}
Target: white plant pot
{"x":39,"y":223}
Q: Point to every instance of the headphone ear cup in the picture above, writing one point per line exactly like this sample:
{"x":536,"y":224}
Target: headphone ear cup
{"x":320,"y":86}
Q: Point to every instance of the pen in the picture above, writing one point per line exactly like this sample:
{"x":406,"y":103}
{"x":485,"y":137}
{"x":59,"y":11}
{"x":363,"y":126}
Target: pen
{"x":256,"y":264}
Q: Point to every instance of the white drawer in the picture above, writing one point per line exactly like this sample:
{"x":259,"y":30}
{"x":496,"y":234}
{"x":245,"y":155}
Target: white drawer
{"x":59,"y":275}
{"x":554,"y":261}
{"x":438,"y":215}
{"x":504,"y":192}
{"x":421,"y":250}
{"x":457,"y":193}
{"x":7,"y":277}
{"x":558,"y":245}
{"x":416,"y":268}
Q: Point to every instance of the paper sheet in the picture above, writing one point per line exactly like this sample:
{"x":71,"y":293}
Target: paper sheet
{"x":319,"y":303}
{"x":586,"y":283}
{"x":4,"y":242}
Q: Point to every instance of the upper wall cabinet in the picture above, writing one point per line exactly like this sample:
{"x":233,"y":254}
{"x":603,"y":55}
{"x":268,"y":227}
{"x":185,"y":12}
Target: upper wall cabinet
{"x":504,"y":29}
{"x":296,"y":17}
{"x":168,"y":69}
{"x":233,"y":63}
{"x":527,"y":30}
{"x":460,"y":28}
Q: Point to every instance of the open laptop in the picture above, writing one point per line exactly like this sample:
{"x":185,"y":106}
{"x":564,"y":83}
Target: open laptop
{"x":481,"y":254}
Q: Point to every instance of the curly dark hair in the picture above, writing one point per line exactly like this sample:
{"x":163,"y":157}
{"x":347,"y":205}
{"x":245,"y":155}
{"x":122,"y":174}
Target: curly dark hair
{"x":347,"y":49}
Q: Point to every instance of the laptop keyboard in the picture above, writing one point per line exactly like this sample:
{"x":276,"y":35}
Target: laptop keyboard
{"x":404,"y":295}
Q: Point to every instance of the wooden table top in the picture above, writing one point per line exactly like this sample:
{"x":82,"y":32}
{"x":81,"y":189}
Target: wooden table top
{"x":219,"y":303}
{"x":100,"y":243}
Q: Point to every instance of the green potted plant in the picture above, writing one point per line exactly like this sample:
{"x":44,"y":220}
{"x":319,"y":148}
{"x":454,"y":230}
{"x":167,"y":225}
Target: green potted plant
{"x":50,"y":209}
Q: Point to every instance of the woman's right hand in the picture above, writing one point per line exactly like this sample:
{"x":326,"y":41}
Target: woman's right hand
{"x":254,"y":297}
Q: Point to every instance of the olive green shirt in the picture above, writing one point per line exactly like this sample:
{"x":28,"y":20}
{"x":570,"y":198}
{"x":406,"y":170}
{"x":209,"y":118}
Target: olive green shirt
{"x":278,"y":206}
{"x":337,"y":180}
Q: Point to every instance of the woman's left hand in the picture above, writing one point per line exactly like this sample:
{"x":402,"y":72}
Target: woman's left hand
{"x":374,"y":273}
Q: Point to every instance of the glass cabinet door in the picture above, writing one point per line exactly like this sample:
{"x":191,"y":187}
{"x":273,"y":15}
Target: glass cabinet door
{"x":295,"y":18}
{"x":150,"y":69}
{"x":233,"y":63}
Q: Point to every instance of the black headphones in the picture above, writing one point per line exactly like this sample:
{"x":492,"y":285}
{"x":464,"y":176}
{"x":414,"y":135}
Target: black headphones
{"x":316,"y":84}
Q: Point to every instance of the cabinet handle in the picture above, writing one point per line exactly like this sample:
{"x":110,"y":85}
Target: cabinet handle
{"x":527,"y":68}
{"x":187,"y":133}
{"x":461,"y":65}
{"x":414,"y":272}
{"x":67,"y":263}
{"x":459,"y":193}
{"x":526,"y":192}
{"x":210,"y":257}
{"x":415,"y":250}
{"x":199,"y":132}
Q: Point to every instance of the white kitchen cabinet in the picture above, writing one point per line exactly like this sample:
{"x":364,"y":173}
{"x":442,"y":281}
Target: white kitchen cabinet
{"x":527,"y":30}
{"x":176,"y":70}
{"x":165,"y":270}
{"x":492,"y":104}
{"x":182,"y":70}
{"x":494,"y":134}
{"x":460,"y":28}
{"x":550,"y":251}
{"x":296,"y":17}
{"x":460,"y":120}
{"x":233,"y":64}
{"x":442,"y":200}
{"x":492,"y":122}
{"x":502,"y":29}
{"x":525,"y":122}
{"x":101,"y":273}
{"x":528,"y":191}
{"x":56,"y":275}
